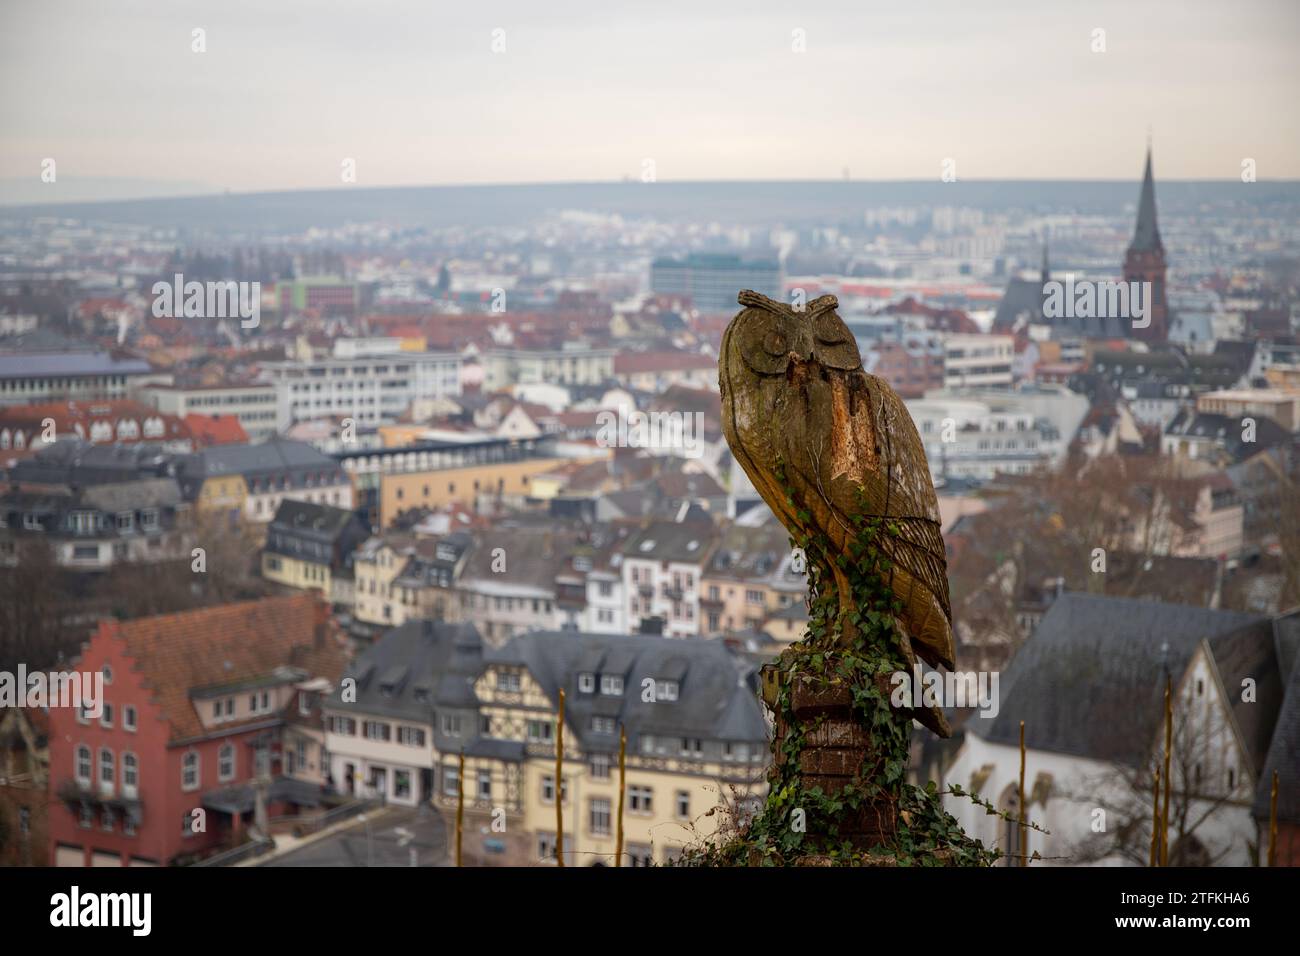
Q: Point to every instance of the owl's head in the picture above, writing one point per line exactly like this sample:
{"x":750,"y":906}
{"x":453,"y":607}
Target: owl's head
{"x":766,"y":336}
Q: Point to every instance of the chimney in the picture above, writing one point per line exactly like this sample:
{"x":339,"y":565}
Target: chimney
{"x":321,"y":610}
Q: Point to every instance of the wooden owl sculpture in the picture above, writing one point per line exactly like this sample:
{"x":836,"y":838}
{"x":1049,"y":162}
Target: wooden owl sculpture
{"x":794,"y":394}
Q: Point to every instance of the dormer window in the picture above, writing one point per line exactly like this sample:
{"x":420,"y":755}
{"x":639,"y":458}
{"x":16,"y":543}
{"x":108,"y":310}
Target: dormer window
{"x":508,"y":681}
{"x":611,"y":685}
{"x":666,"y":690}
{"x":587,"y":683}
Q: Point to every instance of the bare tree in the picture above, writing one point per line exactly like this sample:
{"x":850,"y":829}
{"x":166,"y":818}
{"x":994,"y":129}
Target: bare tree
{"x":1200,"y":791}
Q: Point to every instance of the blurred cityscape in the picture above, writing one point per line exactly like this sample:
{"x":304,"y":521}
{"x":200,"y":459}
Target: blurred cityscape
{"x":338,"y":509}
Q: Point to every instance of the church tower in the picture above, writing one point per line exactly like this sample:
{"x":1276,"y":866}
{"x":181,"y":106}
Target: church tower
{"x":1145,"y":261}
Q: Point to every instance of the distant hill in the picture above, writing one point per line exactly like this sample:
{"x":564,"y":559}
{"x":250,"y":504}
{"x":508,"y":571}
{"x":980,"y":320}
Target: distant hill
{"x":792,"y":203}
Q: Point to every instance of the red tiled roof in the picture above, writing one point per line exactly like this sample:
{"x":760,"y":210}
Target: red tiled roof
{"x":211,"y":647}
{"x":216,"y":429}
{"x":68,"y":416}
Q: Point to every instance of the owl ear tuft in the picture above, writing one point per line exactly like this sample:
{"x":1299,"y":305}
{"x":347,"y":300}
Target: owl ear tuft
{"x":756,"y":300}
{"x":823,"y":303}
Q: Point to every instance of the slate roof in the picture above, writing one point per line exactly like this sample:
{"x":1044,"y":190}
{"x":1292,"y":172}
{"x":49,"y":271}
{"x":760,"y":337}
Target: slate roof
{"x":269,"y":461}
{"x":1227,"y":431}
{"x":717,"y":697}
{"x":687,"y":542}
{"x":1090,"y":681}
{"x":315,"y":532}
{"x":1284,"y":748}
{"x":68,"y":364}
{"x":412,"y":670}
{"x":133,"y":495}
{"x":74,"y":461}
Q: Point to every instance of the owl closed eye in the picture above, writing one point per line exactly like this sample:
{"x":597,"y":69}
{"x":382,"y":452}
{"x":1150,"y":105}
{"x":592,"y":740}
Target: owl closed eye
{"x":767,"y":344}
{"x":834,"y":345}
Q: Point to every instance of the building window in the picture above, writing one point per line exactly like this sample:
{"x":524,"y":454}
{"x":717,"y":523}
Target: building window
{"x":611,"y":685}
{"x":377,"y":730}
{"x":546,"y":847}
{"x":541,"y":731}
{"x":692,"y":747}
{"x":128,"y":718}
{"x":508,"y":681}
{"x":600,"y":767}
{"x":83,"y":765}
{"x":587,"y":683}
{"x":107,"y":671}
{"x":602,"y":725}
{"x":451,"y":725}
{"x":402,"y":784}
{"x":640,"y":855}
{"x":106,"y":715}
{"x":346,"y":726}
{"x":410,"y":736}
{"x":190,"y":771}
{"x":226,"y":762}
{"x":107,"y":819}
{"x":451,"y":780}
{"x":666,"y":690}
{"x":107,"y":776}
{"x":485,"y":785}
{"x":600,"y":817}
{"x":130,"y":775}
{"x":640,"y":799}
{"x":87,"y":817}
{"x":683,"y":805}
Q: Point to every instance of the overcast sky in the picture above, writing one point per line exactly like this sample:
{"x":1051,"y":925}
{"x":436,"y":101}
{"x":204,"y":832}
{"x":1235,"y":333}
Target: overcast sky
{"x":710,"y":89}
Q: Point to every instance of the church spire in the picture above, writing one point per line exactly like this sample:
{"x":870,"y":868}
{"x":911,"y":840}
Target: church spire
{"x":1147,"y":235}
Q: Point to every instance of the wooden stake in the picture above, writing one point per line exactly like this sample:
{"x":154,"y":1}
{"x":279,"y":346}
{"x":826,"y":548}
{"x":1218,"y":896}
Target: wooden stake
{"x":622,"y":774}
{"x":559,"y":785}
{"x":1155,"y":821}
{"x":460,"y":806}
{"x":1272,"y":824}
{"x":1169,"y":748}
{"x":1024,"y":850}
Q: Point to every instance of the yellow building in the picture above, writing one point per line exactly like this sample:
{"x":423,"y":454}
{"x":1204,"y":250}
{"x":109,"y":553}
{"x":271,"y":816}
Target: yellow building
{"x":507,"y":480}
{"x":697,"y":738}
{"x":310,"y":546}
{"x":402,"y":577}
{"x":222,"y":496}
{"x":752,"y":575}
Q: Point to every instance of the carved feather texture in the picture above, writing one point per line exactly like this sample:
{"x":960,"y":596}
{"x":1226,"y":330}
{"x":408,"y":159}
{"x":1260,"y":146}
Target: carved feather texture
{"x":794,"y":391}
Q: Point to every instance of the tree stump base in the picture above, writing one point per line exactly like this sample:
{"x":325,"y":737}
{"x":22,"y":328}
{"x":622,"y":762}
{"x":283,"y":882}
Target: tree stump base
{"x":838,"y":753}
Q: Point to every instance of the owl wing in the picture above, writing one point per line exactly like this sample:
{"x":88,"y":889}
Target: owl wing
{"x":875,"y":462}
